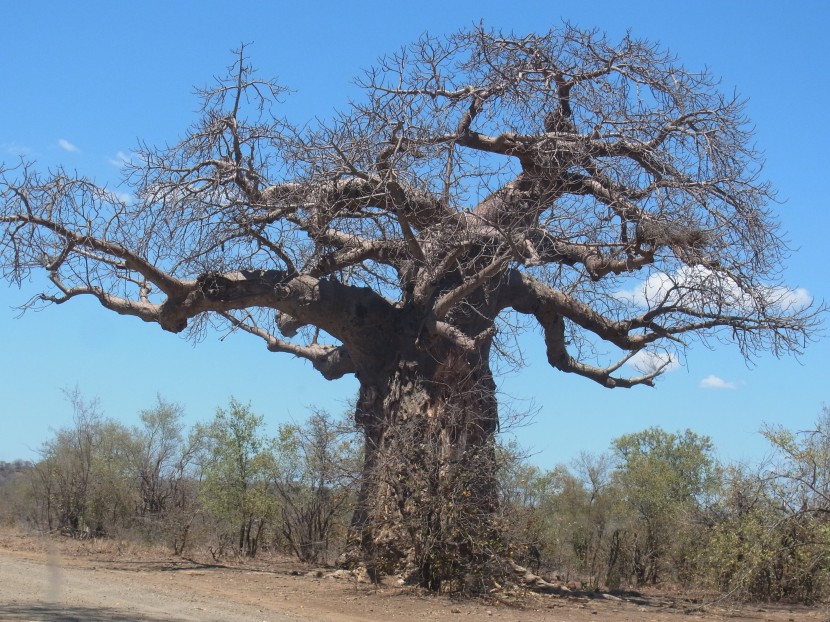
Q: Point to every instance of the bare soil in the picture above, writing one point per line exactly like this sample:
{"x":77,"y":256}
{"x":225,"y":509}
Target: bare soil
{"x":56,"y":578}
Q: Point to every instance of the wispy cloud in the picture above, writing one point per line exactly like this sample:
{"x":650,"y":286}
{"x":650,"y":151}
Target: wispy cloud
{"x":646,"y":361}
{"x":120,"y":159}
{"x":798,"y":298}
{"x":714,"y":382}
{"x":124,"y":197}
{"x":16,"y":149}
{"x":67,"y":146}
{"x":699,"y":288}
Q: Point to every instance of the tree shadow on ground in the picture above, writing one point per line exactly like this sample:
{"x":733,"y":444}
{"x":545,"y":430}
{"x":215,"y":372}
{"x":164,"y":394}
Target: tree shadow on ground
{"x":61,"y":613}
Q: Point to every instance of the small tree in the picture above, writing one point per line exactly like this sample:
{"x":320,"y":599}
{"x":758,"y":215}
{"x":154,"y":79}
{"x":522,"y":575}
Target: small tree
{"x":65,"y":467}
{"x":523,"y":493}
{"x":236,"y":464}
{"x":603,"y":521}
{"x":83,"y":480}
{"x":162,"y":464}
{"x":315,"y":475}
{"x":666,"y":480}
{"x":802,"y":469}
{"x":15,"y":491}
{"x":159,"y":453}
{"x":741,"y":545}
{"x":113,"y":493}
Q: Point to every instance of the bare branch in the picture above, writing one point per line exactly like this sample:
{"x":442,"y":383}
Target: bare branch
{"x":331,"y":361}
{"x":479,"y":172}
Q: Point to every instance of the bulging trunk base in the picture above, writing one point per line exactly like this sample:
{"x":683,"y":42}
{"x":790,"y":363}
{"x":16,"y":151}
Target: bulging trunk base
{"x":427,"y":508}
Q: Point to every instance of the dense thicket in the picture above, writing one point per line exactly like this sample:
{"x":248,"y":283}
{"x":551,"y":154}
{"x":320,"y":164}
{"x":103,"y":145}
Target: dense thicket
{"x":225,"y":485}
{"x":657,"y":509}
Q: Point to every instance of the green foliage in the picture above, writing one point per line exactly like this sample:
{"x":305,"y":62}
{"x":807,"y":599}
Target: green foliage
{"x":15,"y":499}
{"x":660,"y":469}
{"x":633,"y":517}
{"x":802,"y":470}
{"x":83,"y":481}
{"x":659,"y":509}
{"x":163,"y":466}
{"x":236,"y":463}
{"x":666,"y":480}
{"x":772,"y":536}
{"x":158,"y":459}
{"x":111,"y":488}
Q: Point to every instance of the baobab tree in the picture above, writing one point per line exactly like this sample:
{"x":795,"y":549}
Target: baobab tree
{"x":597,"y":189}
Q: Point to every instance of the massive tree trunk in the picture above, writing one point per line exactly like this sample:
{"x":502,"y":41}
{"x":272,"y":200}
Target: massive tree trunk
{"x":428,"y":497}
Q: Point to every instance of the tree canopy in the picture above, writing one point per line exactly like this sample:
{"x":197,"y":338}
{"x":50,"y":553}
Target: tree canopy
{"x":542,"y":169}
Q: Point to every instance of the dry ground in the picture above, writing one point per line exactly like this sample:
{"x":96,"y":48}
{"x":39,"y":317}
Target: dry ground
{"x":55,"y":578}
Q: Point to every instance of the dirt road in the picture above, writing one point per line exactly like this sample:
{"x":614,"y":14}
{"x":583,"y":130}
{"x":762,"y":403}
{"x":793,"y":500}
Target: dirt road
{"x":51,"y":590}
{"x":48,"y":578}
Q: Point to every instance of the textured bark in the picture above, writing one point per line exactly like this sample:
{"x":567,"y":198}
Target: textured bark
{"x":428,"y":497}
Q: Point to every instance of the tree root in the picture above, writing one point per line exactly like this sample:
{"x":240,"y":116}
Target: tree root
{"x":538,"y":584}
{"x":517,"y":576}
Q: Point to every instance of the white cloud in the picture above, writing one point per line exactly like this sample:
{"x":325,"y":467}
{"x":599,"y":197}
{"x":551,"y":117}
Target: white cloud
{"x":784,"y":298}
{"x":646,"y":361}
{"x":16,"y":149}
{"x":124,"y":197}
{"x":714,"y":382}
{"x":699,"y":288}
{"x":67,"y":146}
{"x":119,"y":160}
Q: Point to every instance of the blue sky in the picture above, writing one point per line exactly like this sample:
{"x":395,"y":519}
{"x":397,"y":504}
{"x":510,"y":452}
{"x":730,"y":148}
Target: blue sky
{"x":83,"y":82}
